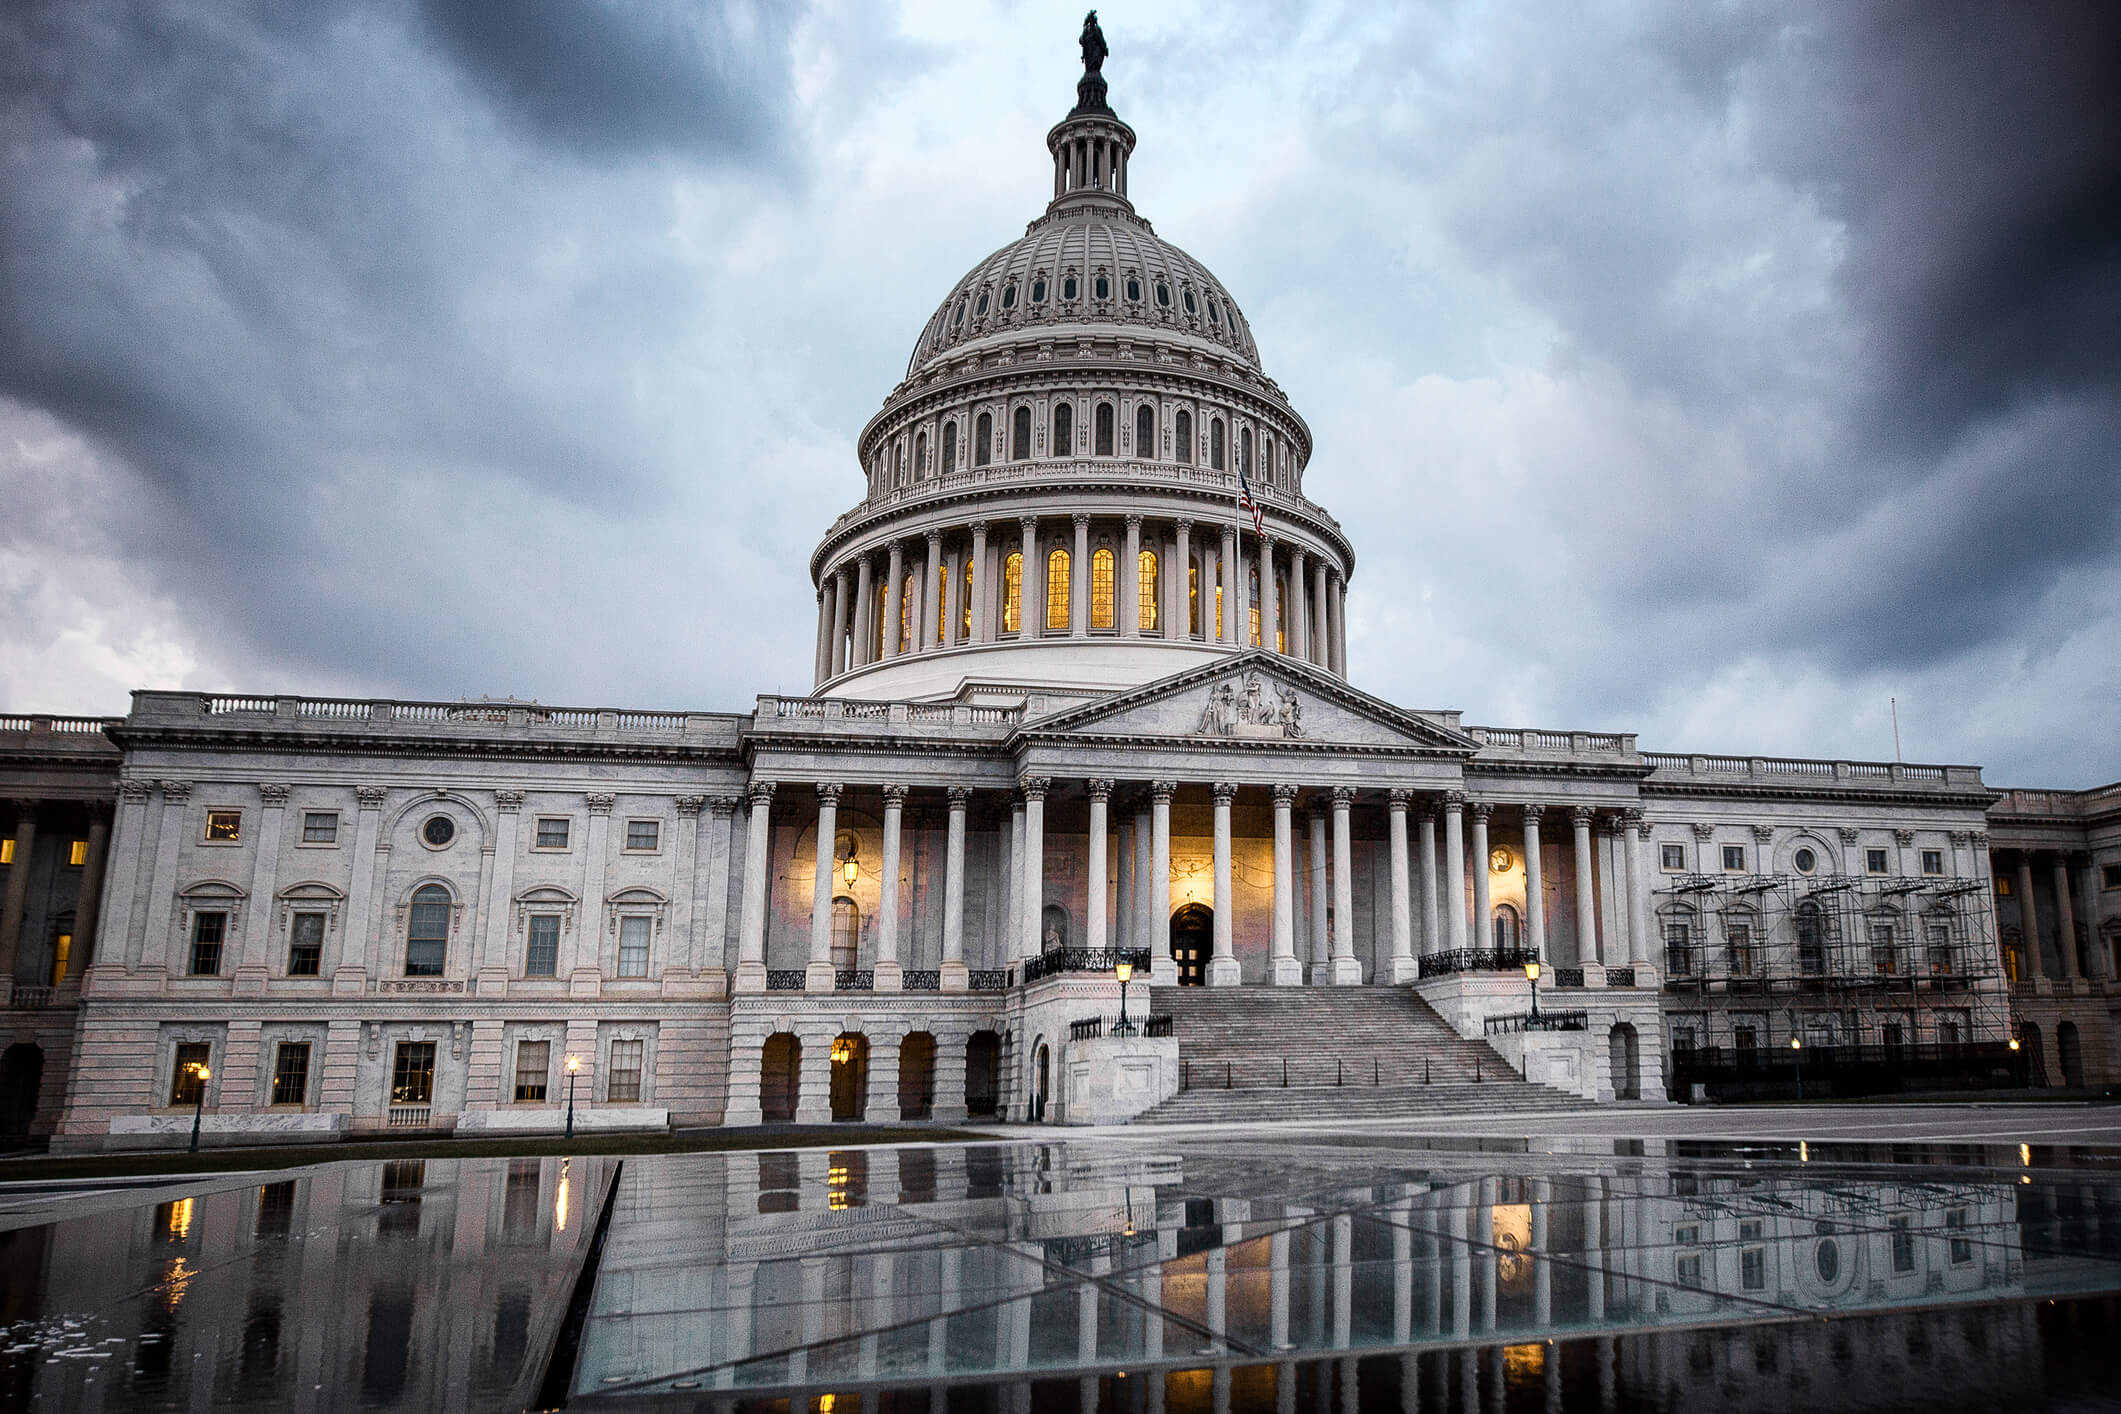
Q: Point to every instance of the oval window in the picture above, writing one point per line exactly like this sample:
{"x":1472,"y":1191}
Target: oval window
{"x":1827,"y":1260}
{"x":1038,"y":291}
{"x":438,"y":831}
{"x":1191,"y":307}
{"x":1805,"y":861}
{"x":981,"y":307}
{"x":1068,"y":288}
{"x":1163,"y":294}
{"x":1102,"y":287}
{"x":1009,"y":297}
{"x":1134,"y":289}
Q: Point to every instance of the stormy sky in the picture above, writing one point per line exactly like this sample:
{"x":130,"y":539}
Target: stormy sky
{"x":1715,"y":371}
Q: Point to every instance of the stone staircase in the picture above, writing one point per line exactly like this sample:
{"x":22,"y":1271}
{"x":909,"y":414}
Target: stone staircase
{"x":1331,"y":1053}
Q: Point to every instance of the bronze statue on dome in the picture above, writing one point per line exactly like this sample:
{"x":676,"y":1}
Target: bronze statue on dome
{"x":1094,"y":47}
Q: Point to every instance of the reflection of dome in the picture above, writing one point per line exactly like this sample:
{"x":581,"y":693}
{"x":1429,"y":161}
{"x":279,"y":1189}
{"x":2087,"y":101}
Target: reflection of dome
{"x":1052,"y":498}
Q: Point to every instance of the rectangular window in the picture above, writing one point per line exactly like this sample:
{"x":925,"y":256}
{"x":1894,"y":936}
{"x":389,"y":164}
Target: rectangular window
{"x":633,"y":945}
{"x":2110,"y":876}
{"x":185,"y":1082}
{"x":1734,"y":858}
{"x":207,"y":932}
{"x":644,"y":836}
{"x":1933,"y":861}
{"x":1678,"y":955}
{"x":1689,"y":1269}
{"x":1672,"y":857}
{"x":552,"y":832}
{"x":1752,"y":1268}
{"x":1903,"y":1245}
{"x":290,"y":1073}
{"x":1874,"y":861}
{"x":7,"y":851}
{"x":1952,"y":1027}
{"x":1962,"y":1246}
{"x":533,"y":1070}
{"x":224,"y":826}
{"x":623,"y":1080}
{"x":543,"y":957}
{"x":1940,"y":949}
{"x":77,"y":853}
{"x":320,"y":827}
{"x":1750,"y":1230}
{"x":1745,"y":1038}
{"x":412,"y":1073}
{"x":305,"y":945}
{"x":1741,"y":938}
{"x":1883,"y":960}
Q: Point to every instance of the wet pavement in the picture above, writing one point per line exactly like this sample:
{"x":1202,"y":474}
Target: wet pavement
{"x":1300,"y":1271}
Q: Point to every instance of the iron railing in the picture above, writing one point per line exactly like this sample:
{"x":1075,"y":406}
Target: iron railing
{"x":1545,"y":1021}
{"x":784,"y":979}
{"x":1568,"y":977}
{"x":1091,"y":1028}
{"x":1312,"y":1070}
{"x":854,"y":979}
{"x":1442,"y":964}
{"x":33,"y":998}
{"x":988,"y":979}
{"x":924,"y":981}
{"x":1620,"y":976}
{"x":1060,"y":960}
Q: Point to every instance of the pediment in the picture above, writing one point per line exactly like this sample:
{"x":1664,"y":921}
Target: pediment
{"x":1254,"y":697}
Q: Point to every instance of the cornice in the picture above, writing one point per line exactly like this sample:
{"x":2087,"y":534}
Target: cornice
{"x":1970,"y":800}
{"x":371,"y":743}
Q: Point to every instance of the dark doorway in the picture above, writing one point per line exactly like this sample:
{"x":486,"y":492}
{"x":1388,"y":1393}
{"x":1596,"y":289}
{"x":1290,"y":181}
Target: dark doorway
{"x":2070,"y":1052}
{"x":21,"y":1076}
{"x":916,"y":1076}
{"x":780,"y":1078}
{"x":2035,"y":1058}
{"x":850,"y":1076}
{"x":1193,"y":943}
{"x":1627,"y":1063}
{"x":983,"y":1071}
{"x":1040,"y":1074}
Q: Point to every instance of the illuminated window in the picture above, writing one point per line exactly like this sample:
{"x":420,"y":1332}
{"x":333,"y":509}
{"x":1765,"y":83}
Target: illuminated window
{"x":7,"y":851}
{"x":224,"y":826}
{"x":427,"y":931}
{"x":876,"y":637}
{"x":1182,"y":436}
{"x":305,"y":945}
{"x":1216,"y":455}
{"x":908,"y":596}
{"x":1281,"y":613}
{"x":1193,"y":599}
{"x":412,"y":1073}
{"x":542,"y":958}
{"x":1145,"y":433}
{"x":62,"y":956}
{"x":942,"y":602}
{"x":1013,"y":593}
{"x":1149,"y":587}
{"x":1057,"y":589}
{"x":1104,"y":430}
{"x":1020,"y":435}
{"x":983,"y":440}
{"x":846,"y":932}
{"x":633,"y":945}
{"x":1252,"y":600}
{"x":1217,"y":628}
{"x":1102,"y":613}
{"x":622,"y":1075}
{"x":1064,"y":430}
{"x":950,"y":446}
{"x":964,"y":604}
{"x":290,"y":1073}
{"x":184,"y":1080}
{"x":77,"y":853}
{"x":208,"y":930}
{"x":533,"y":1071}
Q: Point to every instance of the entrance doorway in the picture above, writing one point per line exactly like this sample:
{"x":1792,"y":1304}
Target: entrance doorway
{"x":983,"y":1073}
{"x":1193,"y":943}
{"x":916,"y":1076}
{"x":1626,"y":1060}
{"x":21,"y":1076}
{"x":780,"y":1076}
{"x":850,"y":1076}
{"x":1038,"y":1084}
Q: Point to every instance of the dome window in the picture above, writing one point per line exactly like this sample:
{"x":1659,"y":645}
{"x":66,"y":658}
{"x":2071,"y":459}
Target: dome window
{"x":1038,"y":291}
{"x":1101,"y":287}
{"x":979,"y":310}
{"x":1009,"y":295}
{"x":1134,"y":290}
{"x":1215,"y":312}
{"x":959,"y":317}
{"x":1068,"y":287}
{"x":1191,"y":307}
{"x":1163,"y":294}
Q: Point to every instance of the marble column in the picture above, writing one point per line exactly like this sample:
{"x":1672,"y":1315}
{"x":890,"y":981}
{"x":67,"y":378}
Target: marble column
{"x":863,"y":650}
{"x":820,"y":665}
{"x":1178,"y":579}
{"x":1095,"y":933}
{"x":1139,"y":933}
{"x":817,"y":976}
{"x":1079,"y":579}
{"x":1535,"y":909}
{"x":982,"y":618}
{"x":1340,"y":627}
{"x":251,"y":968}
{"x":1321,"y":906}
{"x":1163,"y":970}
{"x":1032,"y":616}
{"x":1404,"y":968}
{"x":1032,"y":900}
{"x":1431,"y":921}
{"x":1286,"y":970}
{"x":88,"y":911}
{"x":751,"y":920}
{"x":894,"y":589}
{"x":1483,"y":908}
{"x":1129,"y":582}
{"x":2065,"y":918}
{"x":956,"y":977}
{"x":1454,"y":866}
{"x":1230,"y":570}
{"x":1293,"y":612}
{"x":932,"y":597}
{"x":1347,"y":971}
{"x":888,"y":974}
{"x":1587,"y":950}
{"x":1638,"y":835}
{"x":1223,"y":970}
{"x":837,"y":659}
{"x":16,"y":903}
{"x":1269,"y":599}
{"x":1321,"y":620}
{"x":710,"y":923}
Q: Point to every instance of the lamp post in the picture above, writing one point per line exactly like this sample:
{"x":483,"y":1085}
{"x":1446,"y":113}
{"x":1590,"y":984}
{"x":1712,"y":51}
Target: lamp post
{"x":1123,"y":971}
{"x":198,"y":1103}
{"x":574,"y":1063}
{"x":2017,"y":1070}
{"x":1797,"y":1051}
{"x":1531,"y":974}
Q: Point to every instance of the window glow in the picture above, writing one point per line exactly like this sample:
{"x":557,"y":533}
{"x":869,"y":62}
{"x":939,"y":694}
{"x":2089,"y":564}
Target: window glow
{"x":1148,"y":585}
{"x":1013,"y":593}
{"x":1057,"y":589}
{"x":1102,"y":613}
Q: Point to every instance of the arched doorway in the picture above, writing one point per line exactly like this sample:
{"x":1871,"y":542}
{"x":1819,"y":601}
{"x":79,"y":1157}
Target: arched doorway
{"x":916,"y":1076}
{"x":21,"y":1076}
{"x":850,"y":1076}
{"x":2035,"y":1059}
{"x":780,"y":1078}
{"x":1041,"y":1073}
{"x":983,"y":1073}
{"x":2070,"y":1053}
{"x":1627,"y":1063}
{"x":1193,"y":943}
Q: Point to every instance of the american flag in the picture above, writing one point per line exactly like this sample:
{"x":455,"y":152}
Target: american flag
{"x":1246,"y":503}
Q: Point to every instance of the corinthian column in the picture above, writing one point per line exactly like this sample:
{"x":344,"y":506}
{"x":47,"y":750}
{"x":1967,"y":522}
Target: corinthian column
{"x":1483,"y":909}
{"x":955,"y":976}
{"x":1535,"y":911}
{"x":894,"y":590}
{"x":1223,"y":970}
{"x":1163,"y":970}
{"x":1128,"y":582}
{"x":1346,"y":970}
{"x":1454,"y":866}
{"x":1580,"y":818}
{"x":924,"y":635}
{"x":818,"y":976}
{"x":1079,"y":579}
{"x":1094,"y":931}
{"x":1403,"y":967}
{"x":1032,"y":899}
{"x":889,"y":975}
{"x":751,"y":924}
{"x":1287,"y":971}
{"x":982,"y":576}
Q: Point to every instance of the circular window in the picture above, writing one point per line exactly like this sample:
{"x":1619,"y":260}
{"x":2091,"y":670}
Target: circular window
{"x":1068,"y":288}
{"x":1101,"y":287}
{"x":1163,"y":294}
{"x":1826,"y":1260}
{"x":1191,"y":307}
{"x":1134,"y":290}
{"x":1038,"y":291}
{"x":981,"y":307}
{"x":438,"y":831}
{"x":1805,"y":860}
{"x":1009,"y":297}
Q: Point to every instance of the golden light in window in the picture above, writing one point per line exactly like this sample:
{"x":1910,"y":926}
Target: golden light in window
{"x":1057,"y":589}
{"x":1102,"y":590}
{"x":1148,"y":586}
{"x":1013,"y":593}
{"x":224,"y":826}
{"x":77,"y":853}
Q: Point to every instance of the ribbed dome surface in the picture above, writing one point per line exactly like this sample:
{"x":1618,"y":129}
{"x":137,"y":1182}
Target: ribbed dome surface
{"x":1026,"y":284}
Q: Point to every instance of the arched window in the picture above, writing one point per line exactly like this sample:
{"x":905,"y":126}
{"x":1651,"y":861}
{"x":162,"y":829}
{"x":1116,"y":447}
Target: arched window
{"x":1216,"y":455}
{"x":909,"y":595}
{"x":950,"y":446}
{"x":876,"y":639}
{"x":983,"y":440}
{"x":898,"y":463}
{"x":1013,"y":593}
{"x":1811,"y":940}
{"x":1244,"y":450}
{"x":964,"y":605}
{"x":1057,"y":589}
{"x":1148,"y":586}
{"x":1104,"y":430}
{"x":1281,"y":613}
{"x":942,"y":604}
{"x":1102,"y":613}
{"x":1506,"y":931}
{"x":1193,"y":598}
{"x":846,"y":933}
{"x":427,"y":931}
{"x":1182,"y":436}
{"x":1253,"y":600}
{"x":920,"y":456}
{"x":1064,"y":430}
{"x":1020,"y":435}
{"x":1145,"y":433}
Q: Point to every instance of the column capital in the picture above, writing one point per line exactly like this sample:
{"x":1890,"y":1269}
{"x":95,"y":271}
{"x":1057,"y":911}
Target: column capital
{"x":1481,"y":809}
{"x":1849,"y":834}
{"x":1904,"y":838}
{"x":760,"y":793}
{"x":1134,"y":522}
{"x":181,"y":790}
{"x":960,"y":797}
{"x":370,"y":797}
{"x":1979,"y":838}
{"x":1028,"y":525}
{"x":1081,"y":519}
{"x":1616,"y":825}
{"x":1100,"y":787}
{"x":1034,"y":787}
{"x":1343,"y":797}
{"x":1285,"y":795}
{"x":274,"y":794}
{"x":1224,"y":792}
{"x":1704,"y":831}
{"x":1763,"y":834}
{"x":600,"y":802}
{"x":1533,"y":809}
{"x":726,"y":804}
{"x":1163,"y":790}
{"x":1643,"y":827}
{"x":1634,"y":815}
{"x":1184,"y":525}
{"x":1454,"y":802}
{"x":1960,"y":839}
{"x":510,"y":802}
{"x":1581,"y":816}
{"x":689,"y":806}
{"x":895,"y":795}
{"x":935,"y":542}
{"x":839,"y":573}
{"x":1399,"y":799}
{"x":828,"y":792}
{"x":135,"y":790}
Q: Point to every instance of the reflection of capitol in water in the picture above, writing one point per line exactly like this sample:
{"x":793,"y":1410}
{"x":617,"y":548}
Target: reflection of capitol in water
{"x":817,"y":1272}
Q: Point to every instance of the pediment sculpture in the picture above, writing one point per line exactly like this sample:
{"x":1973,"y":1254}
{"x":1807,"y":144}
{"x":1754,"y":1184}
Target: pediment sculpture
{"x":1250,"y":712}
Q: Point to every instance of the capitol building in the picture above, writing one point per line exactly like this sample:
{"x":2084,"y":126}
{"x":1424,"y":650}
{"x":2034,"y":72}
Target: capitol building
{"x":1082,"y":708}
